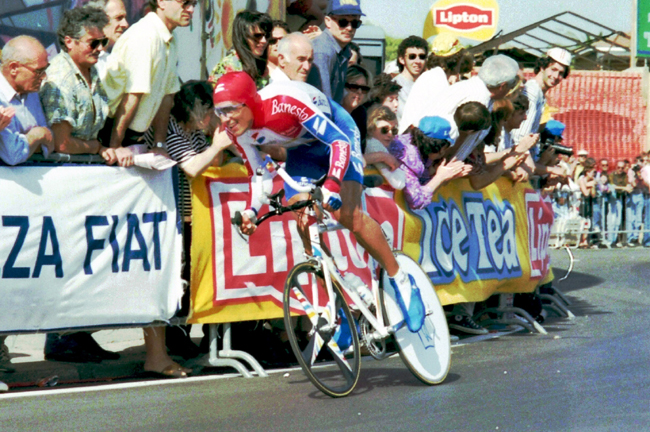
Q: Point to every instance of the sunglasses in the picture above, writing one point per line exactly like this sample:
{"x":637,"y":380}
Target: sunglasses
{"x":274,"y":40}
{"x":94,"y":44}
{"x":344,"y":22}
{"x":186,"y":4}
{"x":227,"y":110}
{"x":259,"y":36}
{"x":356,"y":87}
{"x":420,"y":56}
{"x":385,"y":129}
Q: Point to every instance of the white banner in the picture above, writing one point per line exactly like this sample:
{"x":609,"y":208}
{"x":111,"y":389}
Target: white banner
{"x":87,"y":246}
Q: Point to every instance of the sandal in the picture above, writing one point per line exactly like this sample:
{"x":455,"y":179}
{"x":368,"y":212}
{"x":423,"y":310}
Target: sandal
{"x":174,"y":370}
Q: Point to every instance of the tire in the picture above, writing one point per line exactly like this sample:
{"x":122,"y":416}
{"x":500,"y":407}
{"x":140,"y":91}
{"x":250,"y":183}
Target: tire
{"x":426,"y":353}
{"x":333,"y":371}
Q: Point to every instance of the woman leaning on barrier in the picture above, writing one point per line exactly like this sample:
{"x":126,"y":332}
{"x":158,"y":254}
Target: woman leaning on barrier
{"x":191,"y":118}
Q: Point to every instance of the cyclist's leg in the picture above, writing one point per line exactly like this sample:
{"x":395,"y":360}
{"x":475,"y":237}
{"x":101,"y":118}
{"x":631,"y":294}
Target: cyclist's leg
{"x":366,"y":230}
{"x":369,"y":235}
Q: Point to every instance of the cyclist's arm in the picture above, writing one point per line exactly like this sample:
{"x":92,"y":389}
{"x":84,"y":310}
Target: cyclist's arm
{"x":338,"y":138}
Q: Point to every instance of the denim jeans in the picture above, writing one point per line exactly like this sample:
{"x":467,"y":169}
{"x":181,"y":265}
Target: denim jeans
{"x":634,"y":215}
{"x":646,"y":221}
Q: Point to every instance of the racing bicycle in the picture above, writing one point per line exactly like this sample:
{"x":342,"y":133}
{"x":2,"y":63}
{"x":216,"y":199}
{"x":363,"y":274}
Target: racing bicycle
{"x":327,"y":341}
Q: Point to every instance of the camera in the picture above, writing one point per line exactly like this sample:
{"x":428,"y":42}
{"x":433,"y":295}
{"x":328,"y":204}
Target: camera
{"x":559,"y":148}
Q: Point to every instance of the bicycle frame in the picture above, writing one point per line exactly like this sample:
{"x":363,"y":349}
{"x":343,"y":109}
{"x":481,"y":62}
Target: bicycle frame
{"x":316,"y":228}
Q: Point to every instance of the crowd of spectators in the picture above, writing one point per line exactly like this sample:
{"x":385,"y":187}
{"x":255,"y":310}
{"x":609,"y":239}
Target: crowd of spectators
{"x":113,"y":90}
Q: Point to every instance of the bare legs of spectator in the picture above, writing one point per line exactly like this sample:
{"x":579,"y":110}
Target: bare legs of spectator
{"x":5,"y":360}
{"x":157,"y":360}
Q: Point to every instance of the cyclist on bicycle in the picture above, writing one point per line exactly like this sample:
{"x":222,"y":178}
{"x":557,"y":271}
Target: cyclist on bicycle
{"x":294,"y":114}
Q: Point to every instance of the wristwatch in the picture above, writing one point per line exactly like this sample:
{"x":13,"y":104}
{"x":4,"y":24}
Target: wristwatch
{"x":160,"y":144}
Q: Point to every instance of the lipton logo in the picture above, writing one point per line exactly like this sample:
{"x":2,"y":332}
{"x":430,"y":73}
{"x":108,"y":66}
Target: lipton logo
{"x":464,"y":17}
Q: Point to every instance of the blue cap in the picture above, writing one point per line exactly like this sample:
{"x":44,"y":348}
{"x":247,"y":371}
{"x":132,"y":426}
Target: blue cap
{"x":555,"y":128}
{"x":346,"y":7}
{"x":436,"y":127}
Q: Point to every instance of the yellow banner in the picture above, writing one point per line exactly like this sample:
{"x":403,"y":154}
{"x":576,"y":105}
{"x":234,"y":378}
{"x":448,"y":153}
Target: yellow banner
{"x":471,"y":243}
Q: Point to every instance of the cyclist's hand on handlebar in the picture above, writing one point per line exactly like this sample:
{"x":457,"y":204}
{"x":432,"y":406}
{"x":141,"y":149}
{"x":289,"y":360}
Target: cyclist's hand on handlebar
{"x":331,"y":200}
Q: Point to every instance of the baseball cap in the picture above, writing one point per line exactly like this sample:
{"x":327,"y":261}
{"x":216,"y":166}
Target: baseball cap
{"x":560,"y":55}
{"x":346,"y":7}
{"x":445,"y":45}
{"x":435,"y":127}
{"x":583,"y":152}
{"x":556,"y":128}
{"x":236,"y":87}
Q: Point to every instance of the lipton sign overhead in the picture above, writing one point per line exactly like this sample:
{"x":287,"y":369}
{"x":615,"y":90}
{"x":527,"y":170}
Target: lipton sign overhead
{"x":471,"y":19}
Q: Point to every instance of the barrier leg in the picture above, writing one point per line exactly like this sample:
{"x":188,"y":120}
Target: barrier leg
{"x":228,"y":353}
{"x":215,"y":360}
{"x":556,"y":305}
{"x":524,"y":319}
{"x":557,"y":293}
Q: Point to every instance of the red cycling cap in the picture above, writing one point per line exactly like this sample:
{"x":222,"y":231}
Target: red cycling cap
{"x":236,"y":87}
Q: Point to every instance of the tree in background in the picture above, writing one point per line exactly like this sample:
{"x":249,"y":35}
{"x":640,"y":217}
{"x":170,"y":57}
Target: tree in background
{"x":391,"y":48}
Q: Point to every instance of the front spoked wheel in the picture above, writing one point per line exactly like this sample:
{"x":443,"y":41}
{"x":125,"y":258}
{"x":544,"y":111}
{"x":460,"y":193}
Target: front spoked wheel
{"x":427,"y":352}
{"x":325,"y":344}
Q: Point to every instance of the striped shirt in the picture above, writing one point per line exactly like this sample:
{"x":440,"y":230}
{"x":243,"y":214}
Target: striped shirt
{"x":536,"y":102}
{"x":182,"y":146}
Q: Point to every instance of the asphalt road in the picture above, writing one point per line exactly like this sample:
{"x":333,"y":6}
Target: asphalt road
{"x":588,"y":374}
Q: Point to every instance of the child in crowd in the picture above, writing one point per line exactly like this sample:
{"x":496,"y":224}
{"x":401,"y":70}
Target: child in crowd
{"x":382,"y":128}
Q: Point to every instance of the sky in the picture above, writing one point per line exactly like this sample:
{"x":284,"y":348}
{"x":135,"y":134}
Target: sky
{"x":401,"y":18}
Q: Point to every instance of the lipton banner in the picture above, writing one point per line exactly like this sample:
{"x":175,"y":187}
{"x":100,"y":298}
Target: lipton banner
{"x":85,"y":246}
{"x":471,"y":243}
{"x":471,"y":19}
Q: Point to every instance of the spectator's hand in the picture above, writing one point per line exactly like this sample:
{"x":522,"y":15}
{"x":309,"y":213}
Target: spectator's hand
{"x":547,"y":156}
{"x":452,"y":170}
{"x":6,"y":114}
{"x":521,"y":175}
{"x":514,"y":161}
{"x":124,"y":156}
{"x":108,"y":154}
{"x":629,"y":188}
{"x":526,"y":143}
{"x":41,"y":136}
{"x":312,"y":32}
{"x":392,"y":162}
{"x":247,"y":226}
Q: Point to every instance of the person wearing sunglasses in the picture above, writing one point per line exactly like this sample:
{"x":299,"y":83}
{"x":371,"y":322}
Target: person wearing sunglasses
{"x":280,"y":30}
{"x":24,"y":62}
{"x":442,"y":70}
{"x":332,"y":51}
{"x":74,"y":100}
{"x":382,"y":129}
{"x":141,"y":81}
{"x":251,"y":33}
{"x":117,"y":25}
{"x":411,"y":61}
{"x":357,"y":86}
{"x":295,"y":115}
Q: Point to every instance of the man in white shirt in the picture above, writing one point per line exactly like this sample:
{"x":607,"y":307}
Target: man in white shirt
{"x":411,"y":59}
{"x":550,"y":71}
{"x":496,"y":78}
